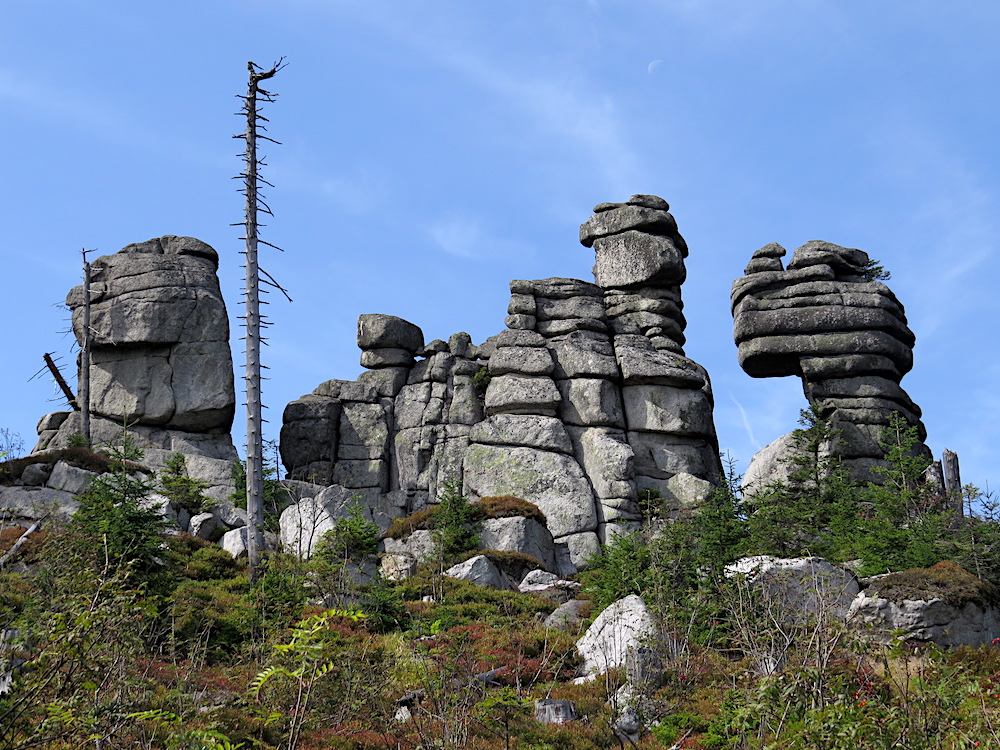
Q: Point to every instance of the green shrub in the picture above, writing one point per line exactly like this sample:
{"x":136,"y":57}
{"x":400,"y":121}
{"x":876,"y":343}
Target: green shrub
{"x":455,"y":523}
{"x":401,"y":528}
{"x":212,"y":563}
{"x":216,"y":615}
{"x":114,"y":517}
{"x":623,"y":567}
{"x":383,"y":607}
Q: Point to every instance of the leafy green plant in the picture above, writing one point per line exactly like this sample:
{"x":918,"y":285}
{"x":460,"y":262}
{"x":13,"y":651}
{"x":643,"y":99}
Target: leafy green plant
{"x":304,"y":662}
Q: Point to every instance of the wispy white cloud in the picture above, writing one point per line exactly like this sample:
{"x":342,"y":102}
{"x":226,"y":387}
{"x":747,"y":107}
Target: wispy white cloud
{"x":465,"y":237}
{"x":560,"y":101}
{"x":88,"y":111}
{"x":746,"y":423}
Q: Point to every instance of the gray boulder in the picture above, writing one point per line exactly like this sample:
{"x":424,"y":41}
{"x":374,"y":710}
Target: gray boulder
{"x":798,"y":589}
{"x":934,"y":621}
{"x":481,"y":571}
{"x":378,"y":331}
{"x":567,"y":616}
{"x":552,"y":481}
{"x":518,"y":534}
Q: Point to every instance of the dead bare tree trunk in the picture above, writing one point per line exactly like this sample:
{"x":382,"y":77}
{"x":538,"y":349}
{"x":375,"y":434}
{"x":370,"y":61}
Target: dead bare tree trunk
{"x":84,"y":399}
{"x":61,"y":381}
{"x":252,"y":319}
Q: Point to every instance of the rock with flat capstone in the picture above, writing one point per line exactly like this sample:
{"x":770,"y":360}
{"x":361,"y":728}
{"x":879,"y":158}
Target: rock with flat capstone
{"x":162,"y":299}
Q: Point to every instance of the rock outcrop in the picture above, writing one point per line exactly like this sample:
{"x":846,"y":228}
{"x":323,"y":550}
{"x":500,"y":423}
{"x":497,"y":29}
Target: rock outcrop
{"x":827,"y":319}
{"x":583,"y":402}
{"x":160,"y":358}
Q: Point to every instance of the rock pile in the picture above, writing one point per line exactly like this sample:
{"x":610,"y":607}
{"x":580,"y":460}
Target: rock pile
{"x":583,"y":403}
{"x":160,"y":359}
{"x":827,"y":319}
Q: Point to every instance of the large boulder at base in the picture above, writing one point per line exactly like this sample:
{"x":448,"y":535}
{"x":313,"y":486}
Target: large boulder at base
{"x":934,"y":621}
{"x":798,"y":589}
{"x":617,"y":633}
{"x":33,"y":503}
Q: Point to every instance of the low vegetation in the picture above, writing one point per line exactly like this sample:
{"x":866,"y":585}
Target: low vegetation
{"x":119,"y":636}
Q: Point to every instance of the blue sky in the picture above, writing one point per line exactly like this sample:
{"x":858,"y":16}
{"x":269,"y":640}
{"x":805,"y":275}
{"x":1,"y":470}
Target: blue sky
{"x":435,"y":150}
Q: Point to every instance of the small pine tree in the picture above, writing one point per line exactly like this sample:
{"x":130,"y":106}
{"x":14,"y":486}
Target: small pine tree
{"x":183,"y":491}
{"x":815,"y":510}
{"x":115,"y":516}
{"x":455,"y":527}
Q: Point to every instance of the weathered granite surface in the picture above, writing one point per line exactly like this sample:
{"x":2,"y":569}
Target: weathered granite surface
{"x":584,"y":401}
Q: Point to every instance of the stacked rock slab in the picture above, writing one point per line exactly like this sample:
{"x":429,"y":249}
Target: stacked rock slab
{"x":826,"y":319}
{"x":160,"y":358}
{"x":581,"y":404}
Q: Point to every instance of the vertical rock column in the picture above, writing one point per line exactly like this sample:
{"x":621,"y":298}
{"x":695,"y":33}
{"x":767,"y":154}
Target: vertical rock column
{"x":523,"y":449}
{"x":571,"y":315}
{"x":667,"y":397}
{"x":435,"y":412}
{"x":160,"y":359}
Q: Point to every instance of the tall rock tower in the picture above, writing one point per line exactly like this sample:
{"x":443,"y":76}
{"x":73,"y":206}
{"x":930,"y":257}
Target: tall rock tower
{"x":160,"y":358}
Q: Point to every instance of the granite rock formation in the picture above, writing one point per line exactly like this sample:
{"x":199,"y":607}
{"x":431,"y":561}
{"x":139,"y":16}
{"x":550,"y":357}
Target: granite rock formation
{"x":160,"y":359}
{"x":827,"y":319}
{"x":583,"y":402}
